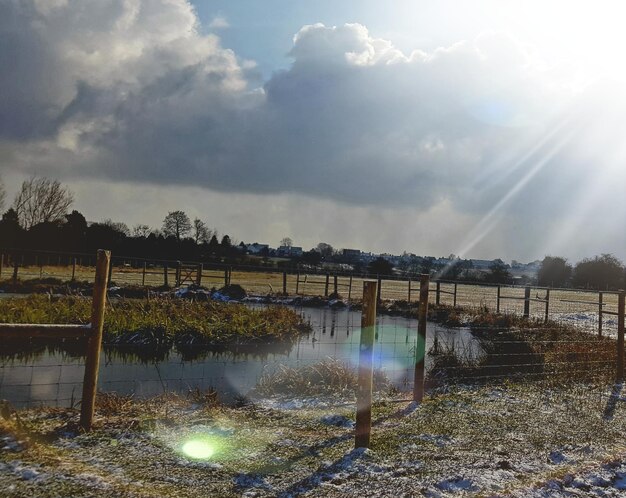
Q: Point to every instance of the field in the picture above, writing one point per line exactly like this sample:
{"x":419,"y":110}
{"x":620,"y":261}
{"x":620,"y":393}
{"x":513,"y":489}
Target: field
{"x":505,"y":441}
{"x":565,"y":304}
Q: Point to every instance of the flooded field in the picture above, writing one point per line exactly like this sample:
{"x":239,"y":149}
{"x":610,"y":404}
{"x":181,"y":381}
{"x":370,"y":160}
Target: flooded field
{"x":41,"y":375}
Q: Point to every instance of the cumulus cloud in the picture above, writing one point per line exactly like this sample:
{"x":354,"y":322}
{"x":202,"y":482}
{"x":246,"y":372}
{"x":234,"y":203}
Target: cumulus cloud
{"x":130,"y":90}
{"x":219,"y":22}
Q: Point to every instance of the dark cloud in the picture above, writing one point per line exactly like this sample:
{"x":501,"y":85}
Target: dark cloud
{"x":130,"y":91}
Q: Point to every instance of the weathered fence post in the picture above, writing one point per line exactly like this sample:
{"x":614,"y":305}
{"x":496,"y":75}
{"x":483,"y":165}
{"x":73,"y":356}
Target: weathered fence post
{"x":143,"y":274}
{"x":408,"y":298}
{"x":364,"y":390}
{"x":165,"y":275}
{"x":380,"y":290}
{"x":326,"y":286}
{"x":92,"y":363}
{"x":297,"y":283}
{"x":73,"y":269}
{"x":420,"y":347}
{"x":350,"y":288}
{"x":199,"y":270}
{"x":527,"y":302}
{"x":621,"y":301}
{"x":600,"y":312}
{"x":110,"y":274}
{"x":15,"y":270}
{"x":498,"y":300}
{"x":438,"y":294}
{"x":284,"y":283}
{"x":178,"y":273}
{"x":547,"y":317}
{"x":225,"y":277}
{"x":455,"y":289}
{"x":335,"y":285}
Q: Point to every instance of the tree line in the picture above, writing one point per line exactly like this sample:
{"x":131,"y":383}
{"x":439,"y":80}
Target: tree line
{"x":38,"y":219}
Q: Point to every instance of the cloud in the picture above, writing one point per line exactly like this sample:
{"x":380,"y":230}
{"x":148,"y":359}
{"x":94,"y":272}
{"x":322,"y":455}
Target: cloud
{"x":219,"y":22}
{"x":131,"y":91}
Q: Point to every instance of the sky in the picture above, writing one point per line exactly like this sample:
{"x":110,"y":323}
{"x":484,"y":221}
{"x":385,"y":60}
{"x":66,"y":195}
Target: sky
{"x":481,"y":128}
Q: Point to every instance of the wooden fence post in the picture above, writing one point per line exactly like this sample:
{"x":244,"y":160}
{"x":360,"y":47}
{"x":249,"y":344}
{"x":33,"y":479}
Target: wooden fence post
{"x":364,"y":391}
{"x":225,"y":277}
{"x":326,"y":286}
{"x":547,"y":317}
{"x":498,"y":300}
{"x":408,"y":298}
{"x":15,"y":270}
{"x":600,"y":312}
{"x":178,"y":273}
{"x":284,"y":283}
{"x":438,"y":294}
{"x":165,"y":275}
{"x":455,"y":289}
{"x":73,"y":269}
{"x":527,"y":302}
{"x":621,"y":301}
{"x":92,"y":363}
{"x":420,"y":347}
{"x":143,"y":274}
{"x":110,"y":274}
{"x":199,"y":270}
{"x":1,"y":263}
{"x":297,"y":283}
{"x":350,"y":288}
{"x":335,"y":285}
{"x":380,"y":290}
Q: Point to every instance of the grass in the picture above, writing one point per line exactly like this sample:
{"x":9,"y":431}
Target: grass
{"x":162,"y":321}
{"x":468,"y":295}
{"x":501,"y":440}
{"x":329,"y":376}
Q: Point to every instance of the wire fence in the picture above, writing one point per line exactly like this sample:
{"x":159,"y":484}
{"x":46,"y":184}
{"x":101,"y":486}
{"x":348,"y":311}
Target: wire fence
{"x":454,"y":357}
{"x":327,"y":364}
{"x":591,"y":310}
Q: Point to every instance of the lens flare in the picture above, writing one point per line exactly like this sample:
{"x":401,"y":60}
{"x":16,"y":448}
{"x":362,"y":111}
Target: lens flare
{"x":198,"y":449}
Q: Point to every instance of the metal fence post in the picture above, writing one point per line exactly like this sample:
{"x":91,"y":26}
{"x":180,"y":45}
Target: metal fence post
{"x":527,"y":302}
{"x":621,"y":300}
{"x":498,"y":300}
{"x":364,"y":392}
{"x":420,"y":347}
{"x":92,"y":363}
{"x":600,"y":310}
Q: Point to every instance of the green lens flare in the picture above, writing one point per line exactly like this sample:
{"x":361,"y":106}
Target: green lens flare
{"x":198,"y":449}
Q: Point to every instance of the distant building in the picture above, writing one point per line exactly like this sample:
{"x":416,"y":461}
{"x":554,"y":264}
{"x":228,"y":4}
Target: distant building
{"x":351,"y":253}
{"x":289,"y":252}
{"x":257,"y":248}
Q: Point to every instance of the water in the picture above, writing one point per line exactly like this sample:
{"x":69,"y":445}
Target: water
{"x":41,"y":376}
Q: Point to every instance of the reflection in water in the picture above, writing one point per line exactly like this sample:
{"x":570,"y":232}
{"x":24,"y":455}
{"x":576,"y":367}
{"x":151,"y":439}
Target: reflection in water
{"x":53,"y":376}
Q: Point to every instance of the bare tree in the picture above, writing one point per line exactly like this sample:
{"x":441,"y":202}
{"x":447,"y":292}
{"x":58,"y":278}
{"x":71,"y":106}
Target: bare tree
{"x":286,"y":242}
{"x":40,"y":200}
{"x":201,"y":233}
{"x":118,"y":226}
{"x":141,"y":230}
{"x":176,"y":223}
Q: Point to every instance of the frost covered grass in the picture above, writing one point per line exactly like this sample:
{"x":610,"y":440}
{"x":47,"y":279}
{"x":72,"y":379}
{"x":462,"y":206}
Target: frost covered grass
{"x":513,"y":440}
{"x":162,"y":321}
{"x":328,"y":376}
